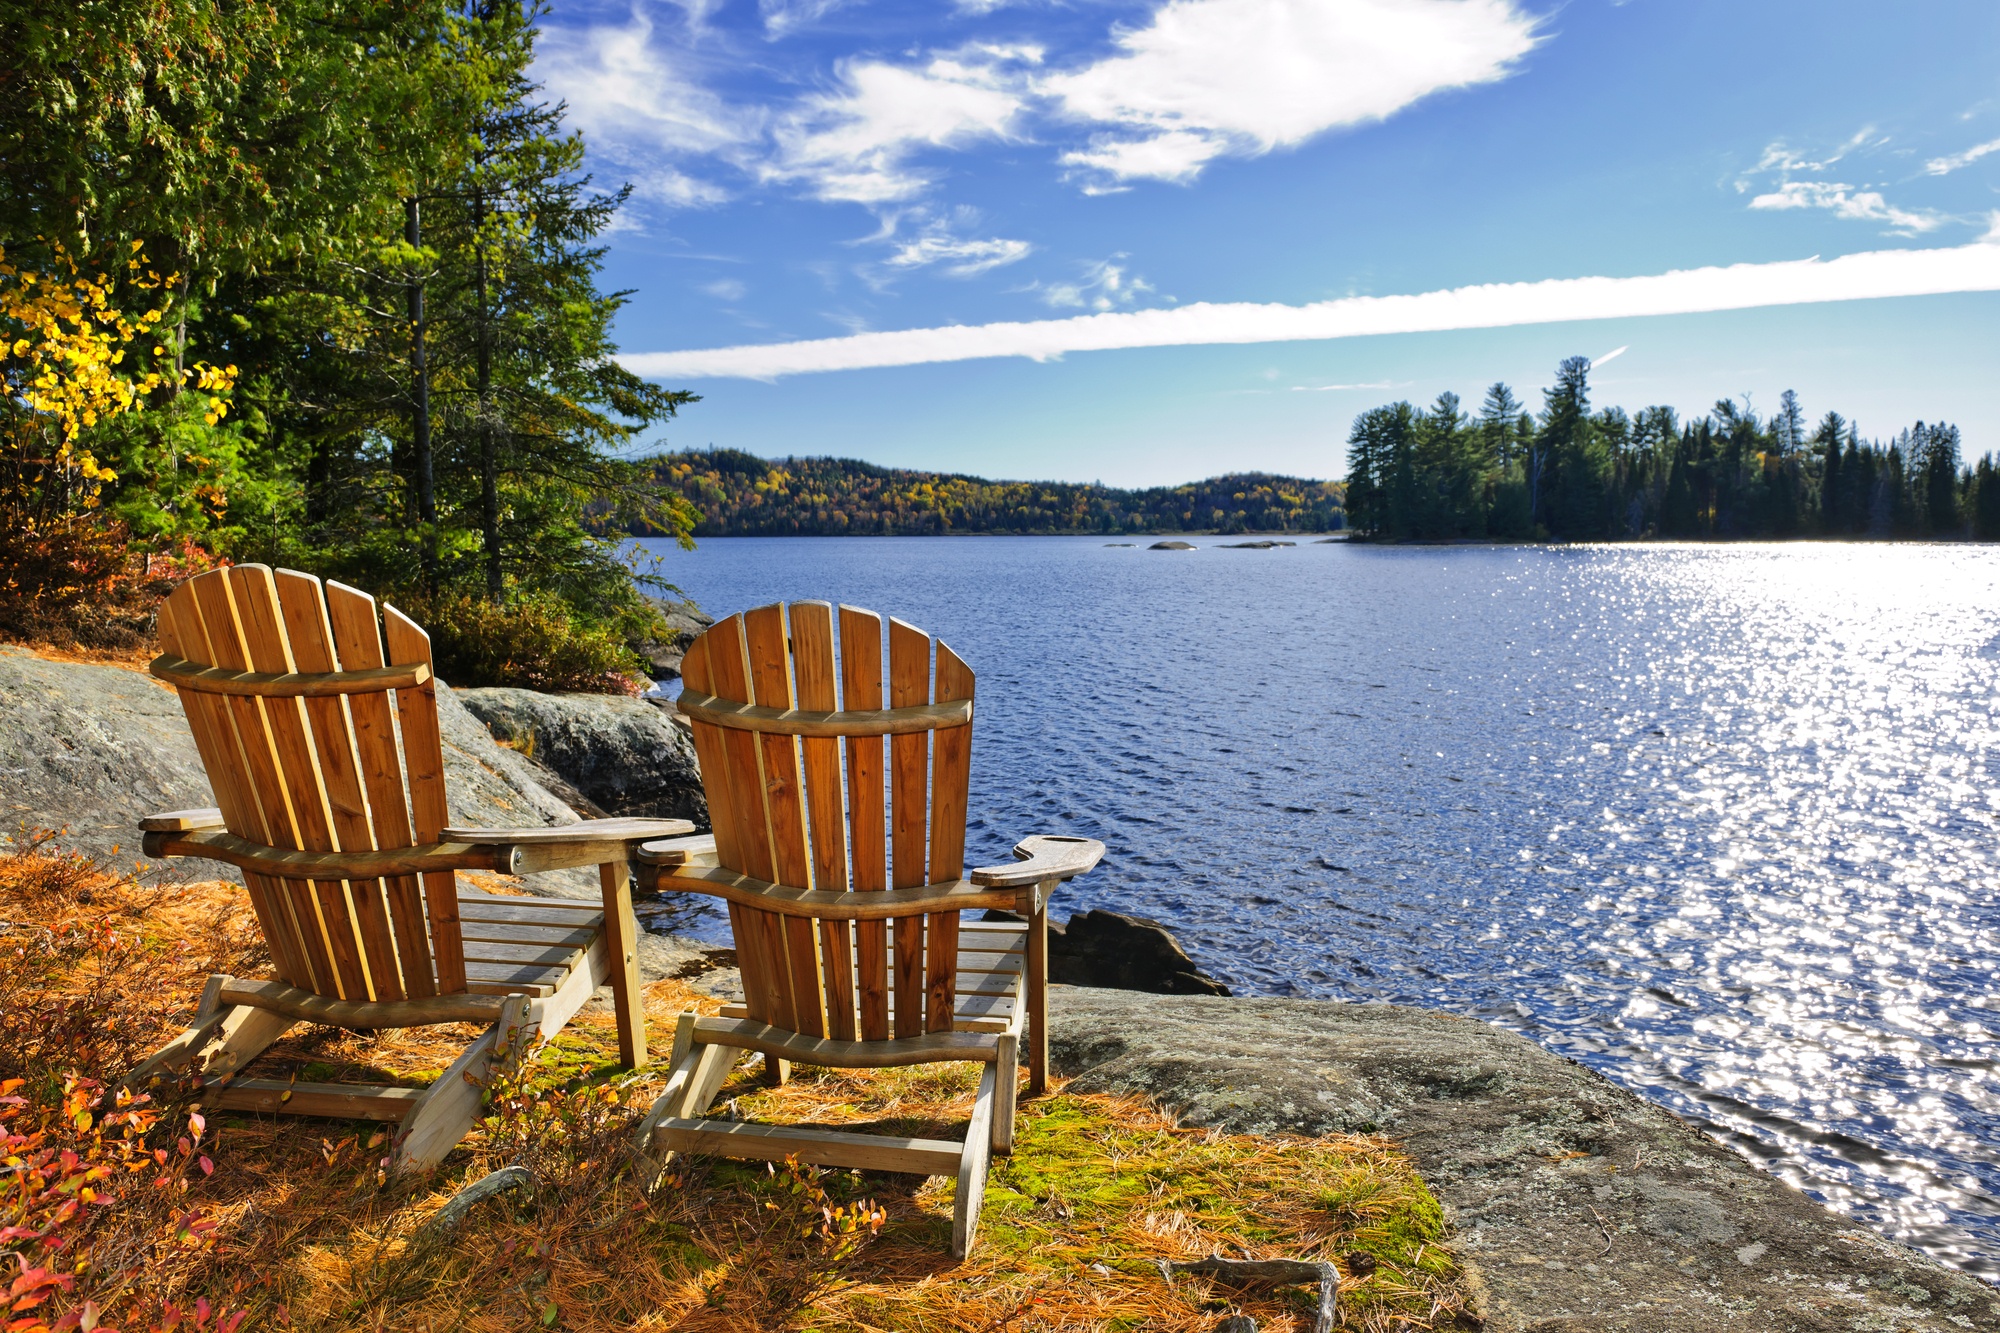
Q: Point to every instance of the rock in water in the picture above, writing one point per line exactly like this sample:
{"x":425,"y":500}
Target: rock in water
{"x":1120,"y":952}
{"x":1172,"y":546}
{"x":625,"y":755}
{"x":1099,"y":948}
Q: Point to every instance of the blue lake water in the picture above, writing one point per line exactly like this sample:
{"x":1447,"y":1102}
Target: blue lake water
{"x":1718,"y":822}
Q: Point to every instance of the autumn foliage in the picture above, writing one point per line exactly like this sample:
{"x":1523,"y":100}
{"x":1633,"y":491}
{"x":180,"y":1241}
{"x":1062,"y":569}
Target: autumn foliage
{"x":155,"y":1214}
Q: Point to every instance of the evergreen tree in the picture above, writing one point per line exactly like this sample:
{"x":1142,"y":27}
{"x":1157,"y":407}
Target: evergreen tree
{"x":1939,"y":455}
{"x":1576,"y":458}
{"x":1986,"y":501}
{"x":1827,"y":439}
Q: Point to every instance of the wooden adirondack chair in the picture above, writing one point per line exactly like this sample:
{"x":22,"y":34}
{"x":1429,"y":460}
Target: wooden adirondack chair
{"x":296,"y":697}
{"x":845,"y":906}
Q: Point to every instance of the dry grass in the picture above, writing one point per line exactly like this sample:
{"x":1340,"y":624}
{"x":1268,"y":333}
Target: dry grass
{"x":310,"y":1232}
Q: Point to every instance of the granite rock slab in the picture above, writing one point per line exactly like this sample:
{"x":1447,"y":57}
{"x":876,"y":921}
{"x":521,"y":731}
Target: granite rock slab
{"x":1578,"y":1207}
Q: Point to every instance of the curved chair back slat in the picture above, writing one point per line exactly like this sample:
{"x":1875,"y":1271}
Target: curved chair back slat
{"x":319,"y":736}
{"x":823,"y":771}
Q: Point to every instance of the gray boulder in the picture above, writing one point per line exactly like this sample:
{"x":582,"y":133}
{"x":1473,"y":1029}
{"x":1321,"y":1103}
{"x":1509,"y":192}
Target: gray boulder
{"x":625,"y":756}
{"x":1578,"y":1205}
{"x":1099,"y":948}
{"x":96,"y":748}
{"x":685,"y":621}
{"x":1172,"y":546}
{"x":1120,"y":952}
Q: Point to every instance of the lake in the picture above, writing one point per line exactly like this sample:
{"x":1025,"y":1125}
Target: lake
{"x":1716,"y":821}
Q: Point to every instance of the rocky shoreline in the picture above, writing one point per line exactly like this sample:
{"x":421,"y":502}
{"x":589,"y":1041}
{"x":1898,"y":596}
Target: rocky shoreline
{"x":1578,"y":1206}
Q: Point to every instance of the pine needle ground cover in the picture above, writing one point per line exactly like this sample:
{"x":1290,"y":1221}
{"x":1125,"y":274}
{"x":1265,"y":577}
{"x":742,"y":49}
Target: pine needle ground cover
{"x":152,"y":1216}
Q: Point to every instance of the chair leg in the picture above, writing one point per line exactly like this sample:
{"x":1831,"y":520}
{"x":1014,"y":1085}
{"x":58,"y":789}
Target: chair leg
{"x":692,"y":1081}
{"x":621,"y":934}
{"x":972,"y":1165}
{"x":1007,"y":1090}
{"x":710,"y":1072}
{"x":450,"y":1106}
{"x":777,"y":1073}
{"x":230,"y":1037}
{"x":1038,"y":990}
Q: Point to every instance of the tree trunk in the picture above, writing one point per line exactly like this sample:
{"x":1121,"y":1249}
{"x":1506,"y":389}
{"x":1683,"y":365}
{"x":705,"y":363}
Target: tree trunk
{"x":420,"y":405}
{"x":489,"y":454}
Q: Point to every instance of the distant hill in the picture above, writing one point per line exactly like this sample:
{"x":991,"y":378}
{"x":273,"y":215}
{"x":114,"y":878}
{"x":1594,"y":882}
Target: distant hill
{"x":741,"y":495}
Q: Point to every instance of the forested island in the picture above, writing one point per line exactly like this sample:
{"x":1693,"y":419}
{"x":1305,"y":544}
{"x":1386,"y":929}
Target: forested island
{"x":1573,"y":474}
{"x":741,"y":495}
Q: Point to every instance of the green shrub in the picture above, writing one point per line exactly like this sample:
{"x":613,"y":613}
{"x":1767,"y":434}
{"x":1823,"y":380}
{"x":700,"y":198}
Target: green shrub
{"x":532,"y":643}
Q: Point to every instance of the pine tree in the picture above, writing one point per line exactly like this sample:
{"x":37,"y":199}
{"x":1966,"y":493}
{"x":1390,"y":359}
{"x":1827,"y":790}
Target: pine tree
{"x":1575,"y":459}
{"x":1986,"y":501}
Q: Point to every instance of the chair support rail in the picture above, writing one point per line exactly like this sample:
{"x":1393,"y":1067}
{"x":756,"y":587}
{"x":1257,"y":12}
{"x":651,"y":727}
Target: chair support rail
{"x":193,"y":676}
{"x":509,"y":851}
{"x":829,"y":1053}
{"x":805,"y":722}
{"x":876,"y":905}
{"x":364,"y":1015}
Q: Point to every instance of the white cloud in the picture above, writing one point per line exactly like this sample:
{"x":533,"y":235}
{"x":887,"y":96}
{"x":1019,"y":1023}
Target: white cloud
{"x":962,"y":258}
{"x":1611,"y":355}
{"x":783,"y":17}
{"x":856,"y":145}
{"x":1873,"y":274}
{"x":1208,"y":77}
{"x":1778,"y":156}
{"x":641,"y":105}
{"x":1847,"y":202}
{"x":1105,"y":285}
{"x":1944,"y":166}
{"x":1176,"y":155}
{"x":726,"y":289}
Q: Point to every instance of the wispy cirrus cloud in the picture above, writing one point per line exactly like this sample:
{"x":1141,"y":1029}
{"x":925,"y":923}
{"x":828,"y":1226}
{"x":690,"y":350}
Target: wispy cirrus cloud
{"x":1944,"y":166}
{"x":1800,"y":184}
{"x":642,"y":104}
{"x":1847,"y":202}
{"x":857,"y":144}
{"x":1869,"y":275}
{"x":1106,"y":284}
{"x":960,"y":257}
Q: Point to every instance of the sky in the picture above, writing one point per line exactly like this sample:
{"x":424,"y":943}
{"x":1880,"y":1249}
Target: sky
{"x":1146,"y":241}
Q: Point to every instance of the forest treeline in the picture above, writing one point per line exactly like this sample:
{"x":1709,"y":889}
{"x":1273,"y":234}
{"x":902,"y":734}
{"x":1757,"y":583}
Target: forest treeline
{"x":741,"y":495}
{"x":314,"y":282}
{"x":1569,"y":473}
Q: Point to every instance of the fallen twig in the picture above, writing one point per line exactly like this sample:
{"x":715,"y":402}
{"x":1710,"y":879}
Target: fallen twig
{"x":447,"y":1218}
{"x":1601,"y":1226}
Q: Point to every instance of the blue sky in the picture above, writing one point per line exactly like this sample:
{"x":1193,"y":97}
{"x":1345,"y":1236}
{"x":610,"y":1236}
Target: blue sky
{"x":1140,"y":222}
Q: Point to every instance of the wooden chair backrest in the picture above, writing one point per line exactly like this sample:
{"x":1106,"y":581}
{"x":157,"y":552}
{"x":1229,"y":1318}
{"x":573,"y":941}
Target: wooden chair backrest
{"x":784,"y":812}
{"x":314,"y":763}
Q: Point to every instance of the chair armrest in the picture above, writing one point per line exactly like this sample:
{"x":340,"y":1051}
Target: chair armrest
{"x":182,"y":821}
{"x":697,"y":849}
{"x":589,"y":830}
{"x":285,"y":863}
{"x":1043,"y":856}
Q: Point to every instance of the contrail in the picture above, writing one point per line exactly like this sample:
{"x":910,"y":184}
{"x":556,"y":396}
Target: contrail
{"x":1869,"y":275}
{"x":1611,"y":355}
